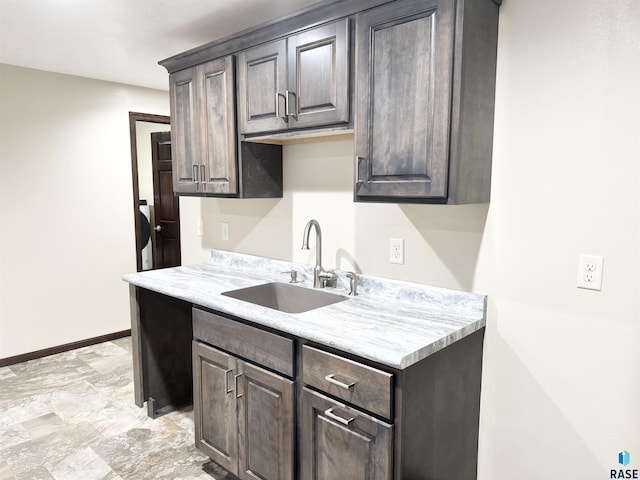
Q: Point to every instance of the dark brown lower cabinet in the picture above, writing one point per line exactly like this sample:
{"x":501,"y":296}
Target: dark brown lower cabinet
{"x":342,"y":442}
{"x":244,"y":415}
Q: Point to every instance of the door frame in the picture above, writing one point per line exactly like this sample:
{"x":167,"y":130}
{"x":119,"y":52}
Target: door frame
{"x":133,"y":118}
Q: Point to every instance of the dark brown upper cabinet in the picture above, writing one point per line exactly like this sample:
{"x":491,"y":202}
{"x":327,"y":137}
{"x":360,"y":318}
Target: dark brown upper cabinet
{"x":203,"y":123}
{"x":296,"y":82}
{"x":208,"y":158}
{"x":421,"y":111}
{"x":425,"y":82}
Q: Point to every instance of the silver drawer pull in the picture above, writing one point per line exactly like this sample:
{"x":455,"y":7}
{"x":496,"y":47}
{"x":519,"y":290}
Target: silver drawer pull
{"x":345,"y":421}
{"x":227,"y":384}
{"x":238,"y":389}
{"x":347,"y":386}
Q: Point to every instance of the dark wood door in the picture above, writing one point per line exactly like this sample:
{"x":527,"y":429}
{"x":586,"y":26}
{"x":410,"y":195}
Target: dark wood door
{"x":265,"y":424}
{"x":262,"y":82}
{"x":318,"y":70}
{"x":341,"y":442}
{"x":214,"y":405}
{"x":403,"y":77}
{"x":166,"y":204}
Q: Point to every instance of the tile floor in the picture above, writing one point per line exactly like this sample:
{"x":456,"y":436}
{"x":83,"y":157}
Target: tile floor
{"x":71,"y":416}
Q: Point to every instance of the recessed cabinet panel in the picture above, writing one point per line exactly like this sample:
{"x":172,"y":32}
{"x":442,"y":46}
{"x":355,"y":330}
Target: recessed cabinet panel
{"x":341,"y":442}
{"x":319,"y":76}
{"x":220,"y":175}
{"x":411,"y":73}
{"x":262,"y":83}
{"x":266,"y":424}
{"x":182,"y":131}
{"x":404,"y":68}
{"x":214,"y":403}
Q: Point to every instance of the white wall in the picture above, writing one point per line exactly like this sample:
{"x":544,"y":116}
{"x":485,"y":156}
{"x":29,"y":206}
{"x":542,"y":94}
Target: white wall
{"x":561,"y":384}
{"x":66,"y":206}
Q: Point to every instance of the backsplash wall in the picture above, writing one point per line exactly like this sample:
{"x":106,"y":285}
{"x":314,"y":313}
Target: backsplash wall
{"x":441,"y":242}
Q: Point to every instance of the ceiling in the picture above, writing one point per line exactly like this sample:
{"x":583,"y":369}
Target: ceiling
{"x":122,"y":40}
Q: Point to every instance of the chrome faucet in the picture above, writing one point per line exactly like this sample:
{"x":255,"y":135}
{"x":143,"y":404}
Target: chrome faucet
{"x":321,"y":277}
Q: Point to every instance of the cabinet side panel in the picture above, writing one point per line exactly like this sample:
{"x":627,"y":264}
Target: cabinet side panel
{"x":440,"y":413}
{"x":473,"y":101}
{"x":261,"y":170}
{"x":166,"y":333}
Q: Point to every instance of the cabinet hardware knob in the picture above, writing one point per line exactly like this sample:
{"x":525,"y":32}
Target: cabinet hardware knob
{"x":330,"y":378}
{"x":345,"y":421}
{"x":158,"y":228}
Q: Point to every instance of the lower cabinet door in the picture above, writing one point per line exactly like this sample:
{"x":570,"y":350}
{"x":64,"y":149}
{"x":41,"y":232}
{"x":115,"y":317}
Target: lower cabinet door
{"x":265,"y":424}
{"x":214,"y":405}
{"x":342,"y":442}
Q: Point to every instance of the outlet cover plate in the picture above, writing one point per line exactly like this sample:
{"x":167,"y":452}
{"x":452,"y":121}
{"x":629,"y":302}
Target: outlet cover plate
{"x":590,"y":272}
{"x":396,"y":251}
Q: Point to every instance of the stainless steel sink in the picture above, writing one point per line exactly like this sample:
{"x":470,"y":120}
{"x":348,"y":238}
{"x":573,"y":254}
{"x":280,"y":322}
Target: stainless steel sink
{"x":285,"y":297}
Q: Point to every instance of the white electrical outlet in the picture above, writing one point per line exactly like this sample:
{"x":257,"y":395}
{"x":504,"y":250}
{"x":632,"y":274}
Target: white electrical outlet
{"x":396,"y":250}
{"x":224,"y":230}
{"x":590,"y":271}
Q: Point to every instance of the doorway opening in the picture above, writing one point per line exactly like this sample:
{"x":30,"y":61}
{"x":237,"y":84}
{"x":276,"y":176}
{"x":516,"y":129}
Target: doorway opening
{"x":156,"y":209}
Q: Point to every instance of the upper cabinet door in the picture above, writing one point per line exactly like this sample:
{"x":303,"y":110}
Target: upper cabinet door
{"x":404,"y":56}
{"x":318,"y":86}
{"x":262,"y":84}
{"x":184,"y":133}
{"x":298,"y":81}
{"x":218,"y":134}
{"x":203,"y":122}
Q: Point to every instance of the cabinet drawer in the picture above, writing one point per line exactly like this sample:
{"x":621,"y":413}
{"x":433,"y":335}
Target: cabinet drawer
{"x":351,"y":381}
{"x":264,"y":348}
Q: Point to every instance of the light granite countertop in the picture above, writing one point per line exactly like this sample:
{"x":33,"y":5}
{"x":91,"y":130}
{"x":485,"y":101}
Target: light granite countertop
{"x":391,"y":322}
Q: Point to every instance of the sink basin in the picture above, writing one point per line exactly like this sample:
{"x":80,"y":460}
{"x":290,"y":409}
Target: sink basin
{"x":285,"y":297}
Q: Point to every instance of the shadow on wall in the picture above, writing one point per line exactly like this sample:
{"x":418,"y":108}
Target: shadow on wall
{"x":509,"y":425}
{"x":454,"y":233}
{"x":256,"y":226}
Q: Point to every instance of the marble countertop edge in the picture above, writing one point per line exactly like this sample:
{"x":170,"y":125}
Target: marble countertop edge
{"x":392,"y":322}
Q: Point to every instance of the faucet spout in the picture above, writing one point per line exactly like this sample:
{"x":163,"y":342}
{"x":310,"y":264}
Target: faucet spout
{"x":317,"y":271}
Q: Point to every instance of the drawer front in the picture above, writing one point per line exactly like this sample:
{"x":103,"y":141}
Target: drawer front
{"x":260,"y":346}
{"x":351,"y":381}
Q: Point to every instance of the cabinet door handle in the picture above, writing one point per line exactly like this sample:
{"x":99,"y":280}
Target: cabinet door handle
{"x":330,"y":378}
{"x":345,"y":421}
{"x":195,"y":175}
{"x":203,"y":176}
{"x":227,"y":382}
{"x":278,"y":95}
{"x":238,"y":390}
{"x":287,"y":112}
{"x":363,"y":170}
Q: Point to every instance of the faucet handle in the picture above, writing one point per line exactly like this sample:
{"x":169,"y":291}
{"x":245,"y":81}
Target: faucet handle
{"x":294,"y":276}
{"x":353,"y":284}
{"x":328,"y":278}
